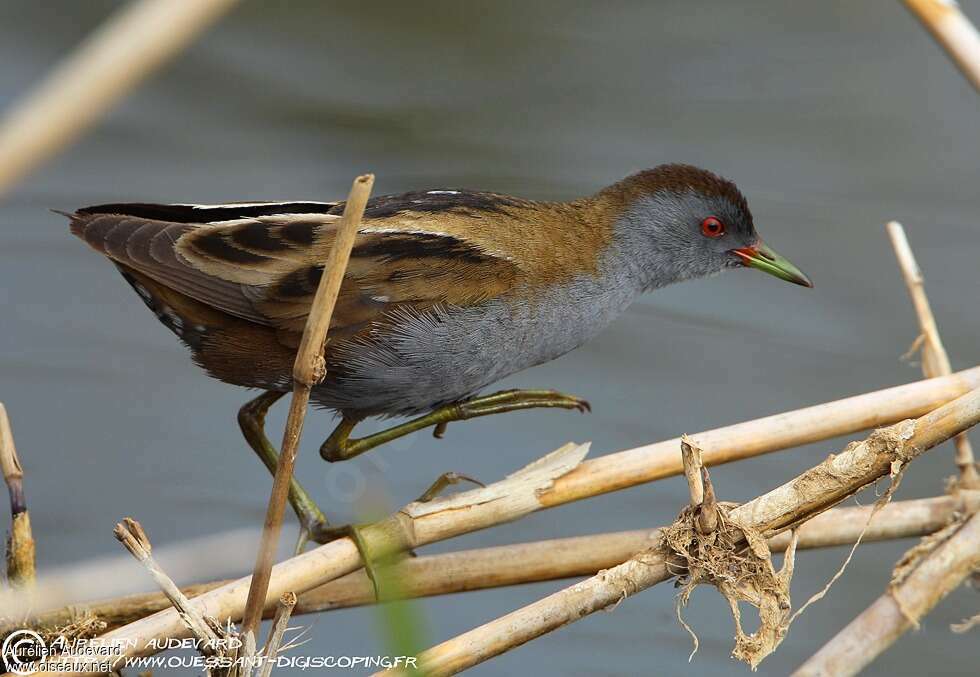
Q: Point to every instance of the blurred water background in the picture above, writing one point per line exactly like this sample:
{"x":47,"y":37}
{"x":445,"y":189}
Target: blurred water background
{"x":833,"y":117}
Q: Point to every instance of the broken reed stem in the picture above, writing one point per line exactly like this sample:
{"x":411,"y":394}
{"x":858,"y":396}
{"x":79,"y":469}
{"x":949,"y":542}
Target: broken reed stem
{"x":708,"y":515}
{"x":809,"y":494}
{"x":130,"y":533}
{"x":760,"y":436}
{"x":20,"y":545}
{"x":129,"y":46}
{"x":935,"y":361}
{"x":953,"y":31}
{"x":691,"y":459}
{"x":308,"y":370}
{"x":283,"y":611}
{"x":900,"y":609}
{"x":699,"y":487}
{"x":547,"y":560}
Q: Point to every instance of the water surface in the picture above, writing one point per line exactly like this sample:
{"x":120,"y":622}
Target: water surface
{"x":833,"y":117}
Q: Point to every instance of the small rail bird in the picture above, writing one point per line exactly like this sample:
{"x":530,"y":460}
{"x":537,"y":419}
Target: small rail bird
{"x":447,"y":291}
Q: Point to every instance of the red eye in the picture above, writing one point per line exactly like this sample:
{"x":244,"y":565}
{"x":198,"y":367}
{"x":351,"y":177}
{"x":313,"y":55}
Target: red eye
{"x":712,"y":227}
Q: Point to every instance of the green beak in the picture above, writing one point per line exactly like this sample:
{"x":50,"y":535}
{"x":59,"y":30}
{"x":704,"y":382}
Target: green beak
{"x":763,"y":257}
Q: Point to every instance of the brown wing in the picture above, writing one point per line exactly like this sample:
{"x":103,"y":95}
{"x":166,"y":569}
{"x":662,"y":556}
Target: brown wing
{"x":265,"y":268}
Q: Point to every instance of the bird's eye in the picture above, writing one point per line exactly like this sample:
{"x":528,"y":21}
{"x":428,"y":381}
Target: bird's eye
{"x":712,"y":227}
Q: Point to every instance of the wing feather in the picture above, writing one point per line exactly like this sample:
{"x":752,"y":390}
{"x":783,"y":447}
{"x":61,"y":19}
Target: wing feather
{"x":266,"y":268}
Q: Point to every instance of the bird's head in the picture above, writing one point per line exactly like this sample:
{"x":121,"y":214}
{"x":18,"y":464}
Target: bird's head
{"x":690,"y":223}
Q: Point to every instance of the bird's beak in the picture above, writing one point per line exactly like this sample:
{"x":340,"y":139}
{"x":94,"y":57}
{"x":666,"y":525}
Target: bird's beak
{"x":763,"y":257}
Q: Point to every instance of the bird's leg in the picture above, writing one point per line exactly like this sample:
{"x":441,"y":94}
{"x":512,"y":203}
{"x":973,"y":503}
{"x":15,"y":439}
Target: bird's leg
{"x":313,"y":524}
{"x":386,"y":558}
{"x":251,"y":419}
{"x":340,"y":447}
{"x":353,"y":532}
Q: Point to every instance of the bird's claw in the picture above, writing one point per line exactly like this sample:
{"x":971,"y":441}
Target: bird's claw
{"x":445,"y":480}
{"x":513,"y":400}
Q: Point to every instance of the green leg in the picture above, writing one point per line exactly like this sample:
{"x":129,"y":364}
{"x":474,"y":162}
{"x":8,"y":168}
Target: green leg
{"x":353,"y":531}
{"x":340,"y":447}
{"x":251,"y":419}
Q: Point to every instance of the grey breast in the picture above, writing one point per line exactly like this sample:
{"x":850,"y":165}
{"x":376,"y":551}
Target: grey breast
{"x":451,"y":353}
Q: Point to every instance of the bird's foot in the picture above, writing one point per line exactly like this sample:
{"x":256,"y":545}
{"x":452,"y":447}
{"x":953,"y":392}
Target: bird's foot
{"x":314,"y":527}
{"x":515,"y":400}
{"x":340,"y":446}
{"x":444,"y":481}
{"x":379,"y":549}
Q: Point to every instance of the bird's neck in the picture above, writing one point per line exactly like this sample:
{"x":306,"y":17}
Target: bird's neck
{"x":630,"y":258}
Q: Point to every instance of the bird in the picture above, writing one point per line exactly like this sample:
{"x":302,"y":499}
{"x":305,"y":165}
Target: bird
{"x":447,"y":290}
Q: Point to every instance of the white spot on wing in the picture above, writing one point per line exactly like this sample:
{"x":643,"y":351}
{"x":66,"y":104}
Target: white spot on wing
{"x":276,"y":219}
{"x":443,"y":192}
{"x":284,"y":203}
{"x":403,"y":231}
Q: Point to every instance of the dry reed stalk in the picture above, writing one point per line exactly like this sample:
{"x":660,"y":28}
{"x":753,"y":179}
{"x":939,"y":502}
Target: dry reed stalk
{"x":130,"y":533}
{"x":753,"y":437}
{"x":247,"y":653}
{"x":281,"y":621}
{"x":560,"y":478}
{"x":899,"y":610}
{"x":941,"y":569}
{"x":113,"y":575}
{"x":699,"y":487}
{"x":953,"y":31}
{"x":308,"y":370}
{"x":761,"y":436}
{"x":935,"y":361}
{"x":547,"y":560}
{"x":885,"y":452}
{"x":20,"y":544}
{"x":414,"y":525}
{"x":692,"y":462}
{"x":129,"y":46}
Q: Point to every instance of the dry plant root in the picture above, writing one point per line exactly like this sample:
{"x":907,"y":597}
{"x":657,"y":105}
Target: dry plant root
{"x":735,"y":558}
{"x":741,"y":574}
{"x":709,"y":546}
